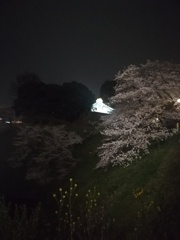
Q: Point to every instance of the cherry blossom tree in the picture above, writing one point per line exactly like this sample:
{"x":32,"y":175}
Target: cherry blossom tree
{"x":45,"y":152}
{"x":147,"y":110}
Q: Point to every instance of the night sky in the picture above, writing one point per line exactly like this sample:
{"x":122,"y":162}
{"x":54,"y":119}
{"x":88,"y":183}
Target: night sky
{"x":84,"y":41}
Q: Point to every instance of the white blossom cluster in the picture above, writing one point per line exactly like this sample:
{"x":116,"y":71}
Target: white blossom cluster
{"x":146,"y":110}
{"x":45,"y":151}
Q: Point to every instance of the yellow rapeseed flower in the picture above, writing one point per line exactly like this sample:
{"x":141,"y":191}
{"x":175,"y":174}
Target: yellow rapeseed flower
{"x":138,"y":192}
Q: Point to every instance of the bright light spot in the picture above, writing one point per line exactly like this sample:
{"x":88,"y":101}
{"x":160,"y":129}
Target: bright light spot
{"x":8,"y":122}
{"x":178,"y":100}
{"x":100,"y":107}
{"x":99,"y":100}
{"x":1,"y":119}
{"x":17,"y":121}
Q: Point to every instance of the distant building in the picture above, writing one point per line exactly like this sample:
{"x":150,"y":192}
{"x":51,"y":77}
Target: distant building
{"x":100,"y":107}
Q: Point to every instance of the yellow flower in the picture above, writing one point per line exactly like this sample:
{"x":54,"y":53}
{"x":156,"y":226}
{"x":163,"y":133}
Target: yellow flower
{"x":54,"y":195}
{"x":70,"y":179}
{"x":138,"y":192}
{"x":60,"y":189}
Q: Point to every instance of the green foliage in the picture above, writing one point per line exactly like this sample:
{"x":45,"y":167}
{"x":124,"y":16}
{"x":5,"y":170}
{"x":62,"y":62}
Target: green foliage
{"x":144,"y":196}
{"x":16,"y":223}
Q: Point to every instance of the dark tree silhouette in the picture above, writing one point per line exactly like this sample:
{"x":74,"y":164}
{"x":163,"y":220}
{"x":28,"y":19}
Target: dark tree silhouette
{"x":29,"y":92}
{"x":107,"y":90}
{"x":37,"y":99}
{"x":78,"y":100}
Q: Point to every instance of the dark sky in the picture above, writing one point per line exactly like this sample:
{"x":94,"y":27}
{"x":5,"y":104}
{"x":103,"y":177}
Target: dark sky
{"x":82,"y":40}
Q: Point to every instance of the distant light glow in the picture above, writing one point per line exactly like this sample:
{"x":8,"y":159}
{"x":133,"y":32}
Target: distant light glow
{"x":99,"y":101}
{"x":17,"y":121}
{"x":100,"y":107}
{"x":178,"y":100}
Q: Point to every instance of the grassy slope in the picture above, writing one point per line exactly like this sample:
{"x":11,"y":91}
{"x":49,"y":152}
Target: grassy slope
{"x":145,"y":196}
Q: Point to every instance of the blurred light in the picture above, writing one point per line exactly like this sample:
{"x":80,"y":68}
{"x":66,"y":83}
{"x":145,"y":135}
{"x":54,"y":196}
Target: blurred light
{"x":178,"y":100}
{"x":17,"y":121}
{"x":100,"y":107}
{"x":99,"y":100}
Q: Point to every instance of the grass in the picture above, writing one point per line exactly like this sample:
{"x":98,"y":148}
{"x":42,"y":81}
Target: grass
{"x":143,"y":198}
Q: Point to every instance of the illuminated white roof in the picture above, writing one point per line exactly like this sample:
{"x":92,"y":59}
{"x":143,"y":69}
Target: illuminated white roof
{"x":100,"y":107}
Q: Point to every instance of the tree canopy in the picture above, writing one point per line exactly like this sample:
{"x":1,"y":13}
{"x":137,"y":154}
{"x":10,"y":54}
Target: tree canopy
{"x":44,"y":152}
{"x":107,"y":90}
{"x":146,"y":110}
{"x":35,"y":98}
